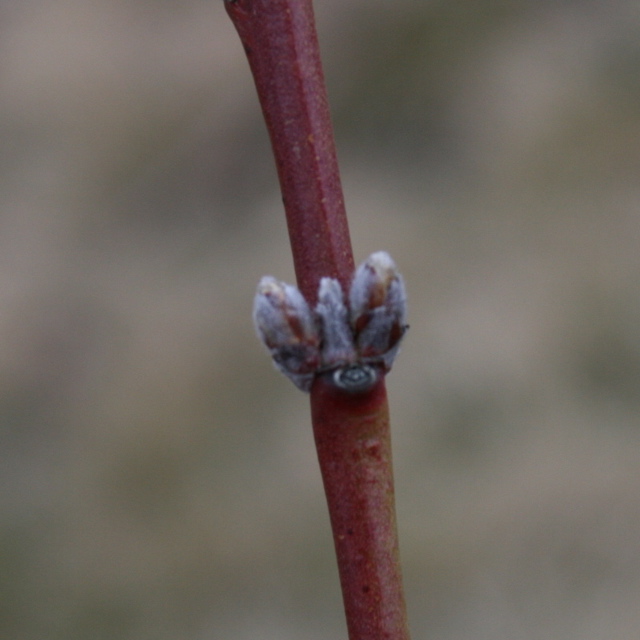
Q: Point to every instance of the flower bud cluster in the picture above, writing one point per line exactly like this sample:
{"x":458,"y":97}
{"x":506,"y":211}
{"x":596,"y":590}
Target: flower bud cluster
{"x":356,"y":340}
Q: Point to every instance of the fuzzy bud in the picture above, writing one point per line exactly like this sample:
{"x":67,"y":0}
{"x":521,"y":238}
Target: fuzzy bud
{"x":287,"y":327}
{"x":337,"y":338}
{"x":354,"y":344}
{"x":378,"y":309}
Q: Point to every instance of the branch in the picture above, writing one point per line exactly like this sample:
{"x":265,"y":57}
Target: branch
{"x":281,"y":44}
{"x":343,"y":365}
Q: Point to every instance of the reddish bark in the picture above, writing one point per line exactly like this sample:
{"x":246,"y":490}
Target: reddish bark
{"x":281,"y":44}
{"x":354,"y":449}
{"x":351,"y":430}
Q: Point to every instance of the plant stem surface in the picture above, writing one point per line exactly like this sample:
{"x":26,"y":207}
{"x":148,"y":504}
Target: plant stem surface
{"x":280,"y":40}
{"x":351,"y":430}
{"x":354,"y":449}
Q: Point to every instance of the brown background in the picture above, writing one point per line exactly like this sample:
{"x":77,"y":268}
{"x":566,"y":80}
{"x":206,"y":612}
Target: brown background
{"x":158,"y":478}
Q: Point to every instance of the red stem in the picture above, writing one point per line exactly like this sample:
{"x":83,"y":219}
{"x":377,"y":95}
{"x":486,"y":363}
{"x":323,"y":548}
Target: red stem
{"x":354,"y":449}
{"x":280,"y":41}
{"x":351,"y":430}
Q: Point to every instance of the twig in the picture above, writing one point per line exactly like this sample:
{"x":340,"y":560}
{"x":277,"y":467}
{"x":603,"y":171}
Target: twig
{"x":351,"y":429}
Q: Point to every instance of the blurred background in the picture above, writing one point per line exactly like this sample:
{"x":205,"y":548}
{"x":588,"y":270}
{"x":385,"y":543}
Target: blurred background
{"x":158,"y":477}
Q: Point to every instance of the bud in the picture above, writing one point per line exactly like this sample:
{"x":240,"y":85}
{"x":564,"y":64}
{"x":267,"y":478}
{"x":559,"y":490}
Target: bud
{"x":378,"y":309}
{"x":287,"y":327}
{"x":356,"y":344}
{"x":337,"y":339}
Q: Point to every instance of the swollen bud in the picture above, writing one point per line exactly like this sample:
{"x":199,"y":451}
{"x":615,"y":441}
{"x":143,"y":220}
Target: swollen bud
{"x":337,"y":338}
{"x":356,"y":344}
{"x":286,"y":326}
{"x":378,"y":308}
